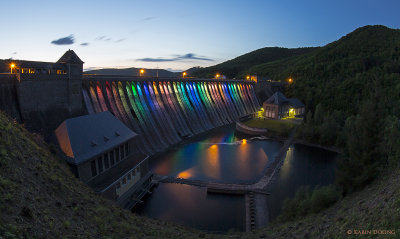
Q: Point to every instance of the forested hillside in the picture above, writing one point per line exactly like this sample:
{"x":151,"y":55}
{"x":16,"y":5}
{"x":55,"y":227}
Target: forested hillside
{"x":351,"y":89}
{"x":241,"y":64}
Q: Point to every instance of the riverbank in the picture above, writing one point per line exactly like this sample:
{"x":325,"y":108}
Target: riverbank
{"x":274,"y":127}
{"x":279,"y":130}
{"x":329,"y":148}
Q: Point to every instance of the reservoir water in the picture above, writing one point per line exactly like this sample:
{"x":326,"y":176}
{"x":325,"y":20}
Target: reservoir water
{"x":222,"y":156}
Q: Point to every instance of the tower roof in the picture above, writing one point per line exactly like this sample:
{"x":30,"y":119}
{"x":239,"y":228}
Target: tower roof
{"x":278,"y":98}
{"x":70,"y":57}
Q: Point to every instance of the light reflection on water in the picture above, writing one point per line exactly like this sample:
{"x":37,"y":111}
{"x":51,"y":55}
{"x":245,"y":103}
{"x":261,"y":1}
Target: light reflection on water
{"x":303,"y":165}
{"x":220,"y":159}
{"x":192,"y":206}
{"x":222,"y":156}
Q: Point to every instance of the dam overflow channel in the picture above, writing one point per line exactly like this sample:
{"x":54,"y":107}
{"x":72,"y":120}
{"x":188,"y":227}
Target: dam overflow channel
{"x":166,"y":110}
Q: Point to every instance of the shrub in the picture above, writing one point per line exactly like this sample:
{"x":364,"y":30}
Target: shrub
{"x":306,"y":201}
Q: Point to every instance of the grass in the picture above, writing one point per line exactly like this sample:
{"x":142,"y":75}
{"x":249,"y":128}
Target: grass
{"x":41,"y":198}
{"x":279,"y":127}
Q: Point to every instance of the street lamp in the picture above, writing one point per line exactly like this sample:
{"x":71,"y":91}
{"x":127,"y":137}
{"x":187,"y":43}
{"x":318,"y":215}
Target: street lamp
{"x":247,"y":77}
{"x":12,"y":66}
{"x":290,"y":80}
{"x":183,"y":74}
{"x":141,"y":72}
{"x":217,"y":76}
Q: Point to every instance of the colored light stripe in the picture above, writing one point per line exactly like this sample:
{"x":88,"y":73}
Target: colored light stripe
{"x":95,"y":101}
{"x":101,"y":97}
{"x":149,"y":115}
{"x":111,"y":101}
{"x":118,"y":103}
{"x":144,"y":140}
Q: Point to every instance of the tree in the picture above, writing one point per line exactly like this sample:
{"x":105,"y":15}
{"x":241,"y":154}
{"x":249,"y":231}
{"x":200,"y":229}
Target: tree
{"x":360,"y":161}
{"x":390,"y":145}
{"x":318,"y":115}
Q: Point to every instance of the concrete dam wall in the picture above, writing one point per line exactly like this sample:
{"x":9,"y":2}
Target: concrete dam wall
{"x":8,"y":97}
{"x":165,"y":111}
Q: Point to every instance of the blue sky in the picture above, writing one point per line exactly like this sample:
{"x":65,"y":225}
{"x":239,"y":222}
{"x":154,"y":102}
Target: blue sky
{"x":178,"y":34}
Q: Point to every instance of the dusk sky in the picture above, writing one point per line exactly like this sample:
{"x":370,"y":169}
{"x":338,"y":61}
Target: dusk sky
{"x":177,"y":35}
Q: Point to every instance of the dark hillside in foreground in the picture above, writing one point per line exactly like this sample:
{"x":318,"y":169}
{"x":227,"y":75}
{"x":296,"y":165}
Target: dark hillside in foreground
{"x":241,"y":64}
{"x":40,"y":198}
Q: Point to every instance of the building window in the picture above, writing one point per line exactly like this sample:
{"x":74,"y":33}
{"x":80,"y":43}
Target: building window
{"x":106,"y":163}
{"x":93,"y":166}
{"x":124,"y":181}
{"x":112,"y":157}
{"x":134,"y":173}
{"x":126,"y":149}
{"x":118,"y":185}
{"x":129,"y":177}
{"x":100,"y":162}
{"x":117,"y":154}
{"x":121,"y":149}
{"x":59,"y":72}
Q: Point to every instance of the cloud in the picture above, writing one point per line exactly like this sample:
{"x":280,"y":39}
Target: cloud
{"x":109,"y":39}
{"x":147,"y":19}
{"x":189,"y":56}
{"x":120,"y":40}
{"x":100,"y":38}
{"x":85,"y":44}
{"x":69,"y":40}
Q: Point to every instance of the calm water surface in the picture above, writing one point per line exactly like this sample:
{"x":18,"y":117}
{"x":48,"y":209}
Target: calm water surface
{"x":303,"y":165}
{"x":222,"y":156}
{"x":192,"y":206}
{"x":219,"y":157}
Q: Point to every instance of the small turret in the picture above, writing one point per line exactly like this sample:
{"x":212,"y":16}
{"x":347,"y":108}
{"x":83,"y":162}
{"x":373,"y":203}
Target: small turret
{"x":70,"y":57}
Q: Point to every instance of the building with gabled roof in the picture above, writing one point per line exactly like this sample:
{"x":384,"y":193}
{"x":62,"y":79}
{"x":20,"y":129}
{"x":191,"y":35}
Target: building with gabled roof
{"x":278,"y":106}
{"x":103,"y":153}
{"x":47,"y":92}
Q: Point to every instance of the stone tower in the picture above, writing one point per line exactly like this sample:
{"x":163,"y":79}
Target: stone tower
{"x":48,"y":92}
{"x":74,"y":67}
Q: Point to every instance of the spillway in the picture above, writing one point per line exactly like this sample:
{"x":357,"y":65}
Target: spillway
{"x":164,"y":111}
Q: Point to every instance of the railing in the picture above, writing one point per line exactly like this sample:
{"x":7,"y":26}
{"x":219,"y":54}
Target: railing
{"x":88,"y":77}
{"x":124,"y":175}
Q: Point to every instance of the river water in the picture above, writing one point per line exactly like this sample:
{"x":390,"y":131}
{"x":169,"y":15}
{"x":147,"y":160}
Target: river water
{"x":222,"y":156}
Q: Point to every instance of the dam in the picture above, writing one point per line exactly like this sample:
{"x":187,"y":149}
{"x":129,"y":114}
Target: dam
{"x":165,"y":111}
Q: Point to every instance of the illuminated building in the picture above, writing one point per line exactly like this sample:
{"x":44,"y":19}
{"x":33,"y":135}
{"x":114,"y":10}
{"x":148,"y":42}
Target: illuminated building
{"x":278,"y":106}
